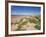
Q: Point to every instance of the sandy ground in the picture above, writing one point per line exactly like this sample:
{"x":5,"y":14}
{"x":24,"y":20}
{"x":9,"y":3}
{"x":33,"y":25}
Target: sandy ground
{"x":29,"y":26}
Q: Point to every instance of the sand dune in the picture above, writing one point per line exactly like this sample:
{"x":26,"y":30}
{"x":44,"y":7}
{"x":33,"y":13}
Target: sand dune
{"x":28,"y":26}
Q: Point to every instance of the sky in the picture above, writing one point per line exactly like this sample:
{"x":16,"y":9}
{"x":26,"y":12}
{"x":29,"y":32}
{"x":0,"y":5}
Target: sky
{"x":25,"y":10}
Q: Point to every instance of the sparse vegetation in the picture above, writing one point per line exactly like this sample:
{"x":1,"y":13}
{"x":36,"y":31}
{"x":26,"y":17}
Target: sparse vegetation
{"x":23,"y":21}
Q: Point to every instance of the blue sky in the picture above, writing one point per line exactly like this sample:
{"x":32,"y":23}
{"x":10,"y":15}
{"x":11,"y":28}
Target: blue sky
{"x":25,"y":10}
